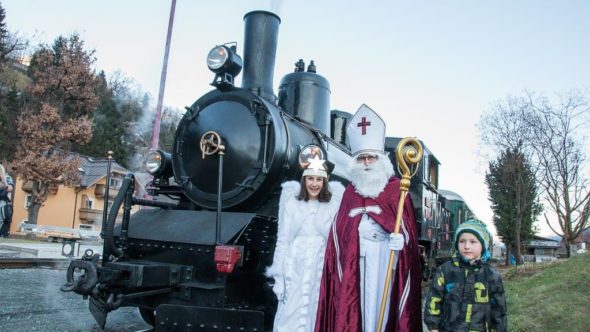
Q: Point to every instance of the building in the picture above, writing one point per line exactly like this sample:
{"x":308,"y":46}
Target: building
{"x":582,"y":242}
{"x":541,"y":249}
{"x":71,"y":211}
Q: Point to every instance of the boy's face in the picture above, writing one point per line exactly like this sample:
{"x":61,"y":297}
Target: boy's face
{"x":469,"y":246}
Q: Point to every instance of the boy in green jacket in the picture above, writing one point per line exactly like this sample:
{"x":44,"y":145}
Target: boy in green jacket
{"x":466,"y":293}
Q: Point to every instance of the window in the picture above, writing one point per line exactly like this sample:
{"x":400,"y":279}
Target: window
{"x":115,"y":183}
{"x":86,"y":202}
{"x":542,"y":252}
{"x":86,"y":227}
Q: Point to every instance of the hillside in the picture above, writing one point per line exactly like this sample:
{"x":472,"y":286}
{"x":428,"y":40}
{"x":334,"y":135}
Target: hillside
{"x":549,"y":297}
{"x":16,"y":75}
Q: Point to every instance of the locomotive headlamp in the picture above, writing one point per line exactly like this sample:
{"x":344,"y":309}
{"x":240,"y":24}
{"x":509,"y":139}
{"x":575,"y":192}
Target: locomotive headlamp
{"x":158,"y":163}
{"x":225,"y":63}
{"x":217,"y":58}
{"x":153,"y":161}
{"x":224,"y":59}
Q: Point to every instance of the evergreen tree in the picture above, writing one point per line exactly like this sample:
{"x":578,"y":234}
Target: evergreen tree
{"x":9,"y":109}
{"x":170,"y":119}
{"x":116,"y":111}
{"x":12,"y":82}
{"x":513,"y":192}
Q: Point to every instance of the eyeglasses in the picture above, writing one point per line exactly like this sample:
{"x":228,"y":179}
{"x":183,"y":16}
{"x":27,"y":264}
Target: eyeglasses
{"x":366,"y":157}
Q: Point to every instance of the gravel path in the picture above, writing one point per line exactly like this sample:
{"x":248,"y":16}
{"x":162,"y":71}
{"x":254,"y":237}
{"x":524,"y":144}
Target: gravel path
{"x":30,"y":300}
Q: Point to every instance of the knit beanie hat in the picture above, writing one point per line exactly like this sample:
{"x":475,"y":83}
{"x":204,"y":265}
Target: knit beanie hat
{"x":480,"y":231}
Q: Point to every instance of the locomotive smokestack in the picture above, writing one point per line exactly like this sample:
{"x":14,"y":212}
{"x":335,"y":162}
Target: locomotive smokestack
{"x":260,"y":47}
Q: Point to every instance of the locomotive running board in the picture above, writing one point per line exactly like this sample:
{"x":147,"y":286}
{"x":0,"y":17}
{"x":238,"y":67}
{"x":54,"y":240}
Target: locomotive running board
{"x":190,"y":318}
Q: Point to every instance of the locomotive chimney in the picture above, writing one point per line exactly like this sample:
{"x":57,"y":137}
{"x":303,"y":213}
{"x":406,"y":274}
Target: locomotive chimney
{"x":260,"y":47}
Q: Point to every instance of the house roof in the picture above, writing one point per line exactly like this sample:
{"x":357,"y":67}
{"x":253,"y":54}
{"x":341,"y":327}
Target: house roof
{"x":541,"y":242}
{"x":92,"y":170}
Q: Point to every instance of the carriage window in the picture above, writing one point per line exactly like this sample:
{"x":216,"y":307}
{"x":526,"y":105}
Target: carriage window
{"x":433,"y":172}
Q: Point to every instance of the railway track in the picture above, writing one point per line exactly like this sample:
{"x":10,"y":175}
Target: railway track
{"x":24,"y":263}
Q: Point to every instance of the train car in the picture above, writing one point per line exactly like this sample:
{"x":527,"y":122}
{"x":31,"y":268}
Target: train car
{"x":455,"y":211}
{"x":194,"y":259}
{"x":424,"y":193}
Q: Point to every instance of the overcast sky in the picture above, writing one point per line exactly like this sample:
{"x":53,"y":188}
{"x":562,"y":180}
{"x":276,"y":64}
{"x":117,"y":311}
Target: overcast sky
{"x":429,"y":68}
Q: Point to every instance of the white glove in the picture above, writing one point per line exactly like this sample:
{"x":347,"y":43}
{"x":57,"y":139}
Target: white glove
{"x":396,"y":242}
{"x":279,"y":289}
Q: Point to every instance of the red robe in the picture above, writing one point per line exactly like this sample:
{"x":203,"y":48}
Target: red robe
{"x":339,"y":305}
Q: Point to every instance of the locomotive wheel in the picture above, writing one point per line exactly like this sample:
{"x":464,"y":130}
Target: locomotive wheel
{"x":148,"y":316}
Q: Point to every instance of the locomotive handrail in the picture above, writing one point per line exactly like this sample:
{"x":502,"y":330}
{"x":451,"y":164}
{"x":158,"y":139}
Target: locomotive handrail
{"x":288,"y":133}
{"x":212,"y":139}
{"x":147,"y":202}
{"x":320,"y":134}
{"x":109,"y":241}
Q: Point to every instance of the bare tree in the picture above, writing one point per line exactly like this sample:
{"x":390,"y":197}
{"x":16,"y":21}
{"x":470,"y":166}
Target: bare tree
{"x":11,"y":45}
{"x":59,"y":102}
{"x":557,"y":139}
{"x":551,"y":136}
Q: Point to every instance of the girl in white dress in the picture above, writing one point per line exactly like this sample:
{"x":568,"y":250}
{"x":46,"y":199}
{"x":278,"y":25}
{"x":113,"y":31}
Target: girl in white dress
{"x":306,"y":212}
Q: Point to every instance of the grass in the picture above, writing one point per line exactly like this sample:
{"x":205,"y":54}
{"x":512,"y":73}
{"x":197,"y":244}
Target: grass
{"x":549,"y":297}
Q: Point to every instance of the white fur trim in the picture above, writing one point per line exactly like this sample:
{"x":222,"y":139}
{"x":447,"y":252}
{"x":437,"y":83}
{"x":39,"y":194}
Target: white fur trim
{"x":371,"y":208}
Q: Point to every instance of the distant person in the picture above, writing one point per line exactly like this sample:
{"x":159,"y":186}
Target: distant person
{"x":6,"y":186}
{"x":362,"y":239}
{"x":466,"y":293}
{"x":306,"y":212}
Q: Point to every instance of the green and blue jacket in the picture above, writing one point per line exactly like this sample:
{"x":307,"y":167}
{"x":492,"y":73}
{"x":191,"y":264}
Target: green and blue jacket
{"x":466,"y":297}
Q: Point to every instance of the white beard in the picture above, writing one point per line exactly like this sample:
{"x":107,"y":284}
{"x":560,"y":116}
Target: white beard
{"x":369,"y":181}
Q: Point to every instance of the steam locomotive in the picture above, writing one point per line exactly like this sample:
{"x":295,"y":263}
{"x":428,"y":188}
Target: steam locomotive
{"x":194,"y":259}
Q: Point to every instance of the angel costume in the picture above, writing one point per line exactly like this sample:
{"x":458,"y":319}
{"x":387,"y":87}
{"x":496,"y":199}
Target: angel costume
{"x":299,"y":255}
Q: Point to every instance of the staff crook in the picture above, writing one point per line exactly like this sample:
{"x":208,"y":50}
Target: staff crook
{"x":408,"y":151}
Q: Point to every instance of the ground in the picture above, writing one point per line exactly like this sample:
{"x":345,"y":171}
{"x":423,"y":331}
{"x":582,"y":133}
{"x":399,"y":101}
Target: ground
{"x":32,"y":301}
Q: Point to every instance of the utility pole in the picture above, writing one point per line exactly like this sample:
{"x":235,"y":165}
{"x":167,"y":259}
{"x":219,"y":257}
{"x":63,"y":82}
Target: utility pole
{"x":156,"y":135}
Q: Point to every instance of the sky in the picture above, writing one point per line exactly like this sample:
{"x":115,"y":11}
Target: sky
{"x":429,"y":68}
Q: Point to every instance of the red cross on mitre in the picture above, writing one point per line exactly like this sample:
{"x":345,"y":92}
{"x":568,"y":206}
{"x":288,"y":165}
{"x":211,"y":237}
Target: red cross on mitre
{"x":364,"y":124}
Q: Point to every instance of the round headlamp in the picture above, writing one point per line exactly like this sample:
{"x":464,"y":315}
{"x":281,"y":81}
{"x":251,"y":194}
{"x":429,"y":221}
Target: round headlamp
{"x":153,"y":162}
{"x":223,"y":59}
{"x":217,"y":58}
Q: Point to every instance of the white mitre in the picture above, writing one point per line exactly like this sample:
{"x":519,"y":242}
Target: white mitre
{"x":366,"y":132}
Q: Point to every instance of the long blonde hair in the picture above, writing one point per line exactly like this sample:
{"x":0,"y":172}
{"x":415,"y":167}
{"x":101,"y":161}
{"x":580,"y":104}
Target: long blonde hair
{"x":2,"y":173}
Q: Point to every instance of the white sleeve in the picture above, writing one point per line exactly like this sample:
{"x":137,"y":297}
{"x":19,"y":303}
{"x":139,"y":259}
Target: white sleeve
{"x":290,"y":190}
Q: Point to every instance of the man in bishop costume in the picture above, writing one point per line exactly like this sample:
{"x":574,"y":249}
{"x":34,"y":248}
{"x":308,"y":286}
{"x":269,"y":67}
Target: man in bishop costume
{"x":361,"y":239}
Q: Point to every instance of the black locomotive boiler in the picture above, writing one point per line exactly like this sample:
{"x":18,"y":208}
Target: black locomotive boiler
{"x":194,"y":258}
